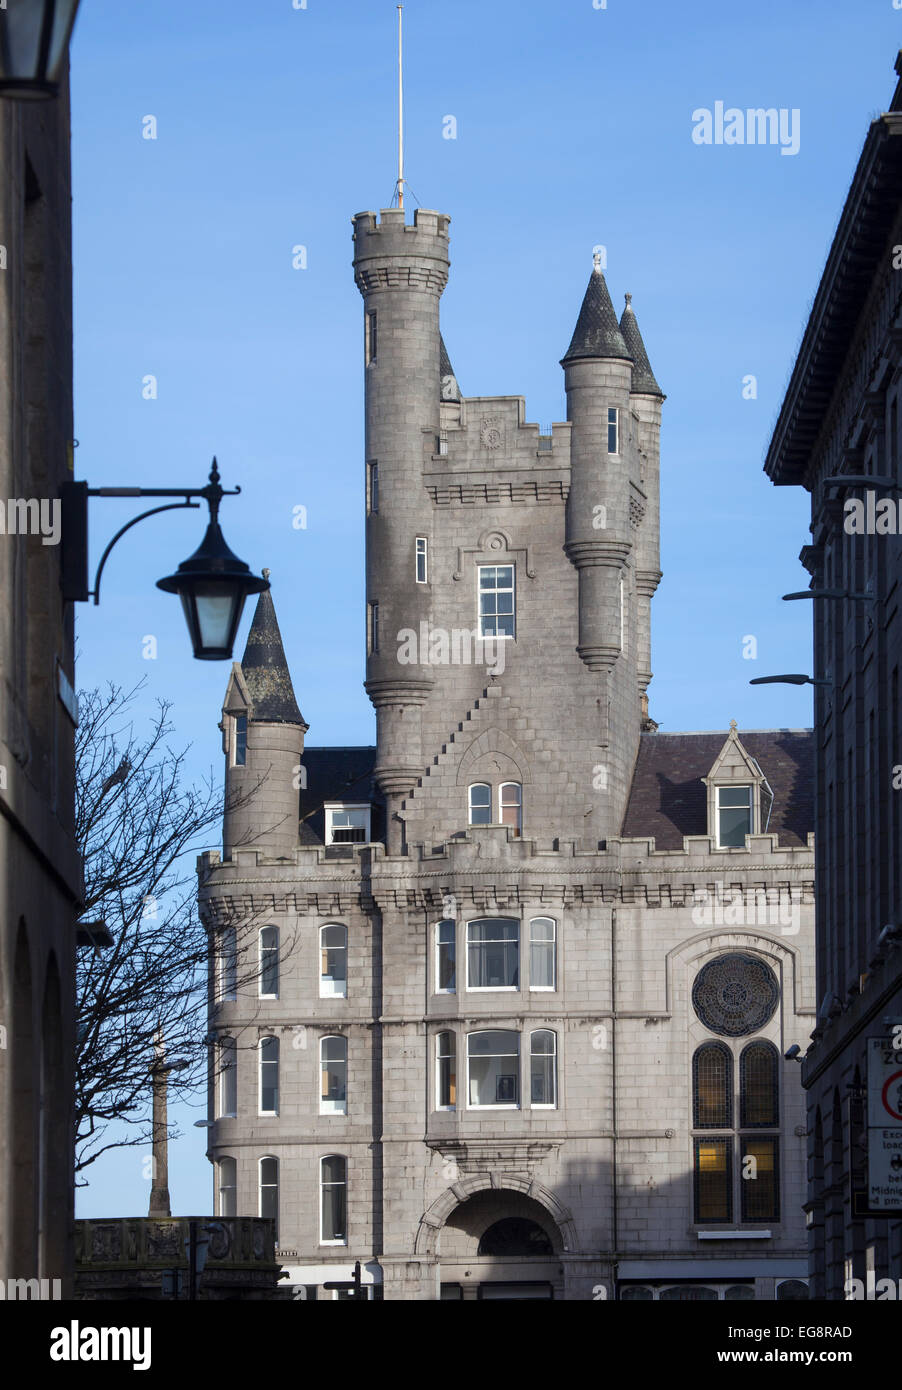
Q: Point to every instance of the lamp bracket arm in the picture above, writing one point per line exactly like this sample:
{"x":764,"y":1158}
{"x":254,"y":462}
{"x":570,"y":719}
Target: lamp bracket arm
{"x":150,"y":492}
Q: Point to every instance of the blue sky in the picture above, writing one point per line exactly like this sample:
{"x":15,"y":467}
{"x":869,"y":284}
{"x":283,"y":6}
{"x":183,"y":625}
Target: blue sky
{"x":574,"y":128}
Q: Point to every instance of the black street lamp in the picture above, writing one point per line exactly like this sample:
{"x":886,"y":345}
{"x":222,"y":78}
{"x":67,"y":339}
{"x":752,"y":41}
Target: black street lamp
{"x":34,"y":40}
{"x":212,"y":583}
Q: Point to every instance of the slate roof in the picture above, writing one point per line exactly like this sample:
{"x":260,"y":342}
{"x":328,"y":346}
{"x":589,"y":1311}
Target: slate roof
{"x":597,"y":333}
{"x":668,"y":799}
{"x":643,"y":376}
{"x":335,"y":774}
{"x":265,"y":668}
{"x":445,"y":368}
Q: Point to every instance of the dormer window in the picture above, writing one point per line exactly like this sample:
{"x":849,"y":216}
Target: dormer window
{"x":347,"y":825}
{"x":734,"y":816}
{"x":241,"y":740}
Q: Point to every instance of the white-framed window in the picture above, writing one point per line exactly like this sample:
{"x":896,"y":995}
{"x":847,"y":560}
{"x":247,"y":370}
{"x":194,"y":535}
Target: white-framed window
{"x":269,"y":1190}
{"x":373,"y":489}
{"x":239,"y":746}
{"x":542,"y":962}
{"x":493,"y":954}
{"x":493,"y":1069}
{"x":613,"y":430}
{"x":446,"y":1071}
{"x":372,"y":627}
{"x":347,"y":825}
{"x":228,"y":963}
{"x":228,"y":1077}
{"x":269,"y":1076}
{"x":333,"y":1068}
{"x":446,"y":957}
{"x":496,"y":601}
{"x":371,"y":343}
{"x":422,"y":550}
{"x":734,"y":818}
{"x":228,"y":1187}
{"x":480,"y":803}
{"x":543,"y":1069}
{"x":333,"y":1200}
{"x":333,"y":979}
{"x":269,"y":963}
{"x":510,"y":805}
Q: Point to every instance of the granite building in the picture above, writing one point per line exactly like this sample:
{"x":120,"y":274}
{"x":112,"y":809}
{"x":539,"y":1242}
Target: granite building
{"x":838,"y":437}
{"x":525,"y":970}
{"x":40,"y":873}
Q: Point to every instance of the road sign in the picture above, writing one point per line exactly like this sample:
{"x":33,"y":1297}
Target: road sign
{"x":885,"y":1123}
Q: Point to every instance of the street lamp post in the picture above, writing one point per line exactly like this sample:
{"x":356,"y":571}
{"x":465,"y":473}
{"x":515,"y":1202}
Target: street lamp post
{"x":212,"y":583}
{"x":34,"y":40}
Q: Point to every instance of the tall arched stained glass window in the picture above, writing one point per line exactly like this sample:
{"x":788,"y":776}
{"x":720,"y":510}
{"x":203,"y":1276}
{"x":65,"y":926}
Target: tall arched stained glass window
{"x":758,"y":1086}
{"x":712,"y":1087}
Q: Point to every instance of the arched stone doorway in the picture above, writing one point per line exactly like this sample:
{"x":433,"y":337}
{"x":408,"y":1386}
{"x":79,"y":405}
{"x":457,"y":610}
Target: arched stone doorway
{"x":497,"y":1242}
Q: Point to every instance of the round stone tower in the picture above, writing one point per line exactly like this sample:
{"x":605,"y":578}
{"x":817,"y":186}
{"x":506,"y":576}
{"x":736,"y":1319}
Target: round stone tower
{"x":401,"y":271}
{"x":263,"y":740}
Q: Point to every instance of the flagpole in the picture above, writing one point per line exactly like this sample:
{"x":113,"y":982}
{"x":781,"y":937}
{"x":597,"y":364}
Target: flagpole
{"x":400,"y":115}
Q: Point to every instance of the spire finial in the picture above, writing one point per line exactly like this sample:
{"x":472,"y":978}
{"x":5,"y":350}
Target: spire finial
{"x":629,"y":301}
{"x":596,"y":261}
{"x":266,"y":574}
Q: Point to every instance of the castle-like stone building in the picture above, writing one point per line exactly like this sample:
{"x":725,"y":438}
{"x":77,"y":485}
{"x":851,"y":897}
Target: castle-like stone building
{"x":521,"y":975}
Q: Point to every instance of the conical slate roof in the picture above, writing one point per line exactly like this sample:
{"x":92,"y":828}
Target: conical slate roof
{"x":597,"y":333}
{"x":451,"y":392}
{"x":265,"y":669}
{"x":643,"y":377}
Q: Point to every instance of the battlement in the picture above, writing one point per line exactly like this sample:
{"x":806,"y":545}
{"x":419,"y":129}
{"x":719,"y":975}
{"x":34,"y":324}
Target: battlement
{"x":425,"y":221}
{"x":392,"y":254}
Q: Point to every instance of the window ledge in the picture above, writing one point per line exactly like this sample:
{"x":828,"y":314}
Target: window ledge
{"x":734,"y":1235}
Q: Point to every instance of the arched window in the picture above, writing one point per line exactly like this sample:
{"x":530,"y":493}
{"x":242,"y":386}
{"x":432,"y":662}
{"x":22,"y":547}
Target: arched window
{"x":737,"y":1168}
{"x":792,"y":1291}
{"x":334,"y":1200}
{"x":493,"y":953}
{"x":543,"y":1069}
{"x":269,"y":1076}
{"x":269,"y":1190}
{"x":228,"y":1187}
{"x":759,"y":1109}
{"x":542,"y":972}
{"x":333,"y":980}
{"x":510,"y":805}
{"x":228,"y":1077}
{"x":446,"y":1071}
{"x":712,"y":1078}
{"x":758,"y":1086}
{"x":269,"y":963}
{"x":333,"y":1095}
{"x":493,"y":1068}
{"x":514,"y":1237}
{"x":480,"y":799}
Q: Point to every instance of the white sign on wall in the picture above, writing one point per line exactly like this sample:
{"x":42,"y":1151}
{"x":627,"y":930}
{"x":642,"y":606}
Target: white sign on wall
{"x":885,"y":1122}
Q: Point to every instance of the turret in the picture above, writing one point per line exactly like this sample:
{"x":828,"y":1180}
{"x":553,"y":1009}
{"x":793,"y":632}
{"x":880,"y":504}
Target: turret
{"x":401,"y":272}
{"x":646,"y":398}
{"x":598,"y":376}
{"x":263,"y":740}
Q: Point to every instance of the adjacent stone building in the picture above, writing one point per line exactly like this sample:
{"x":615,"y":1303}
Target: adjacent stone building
{"x":524,"y":971}
{"x":838,"y":436}
{"x":40,"y":874}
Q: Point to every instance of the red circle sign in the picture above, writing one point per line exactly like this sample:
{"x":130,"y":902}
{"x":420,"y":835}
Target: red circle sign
{"x":896,"y":1114}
